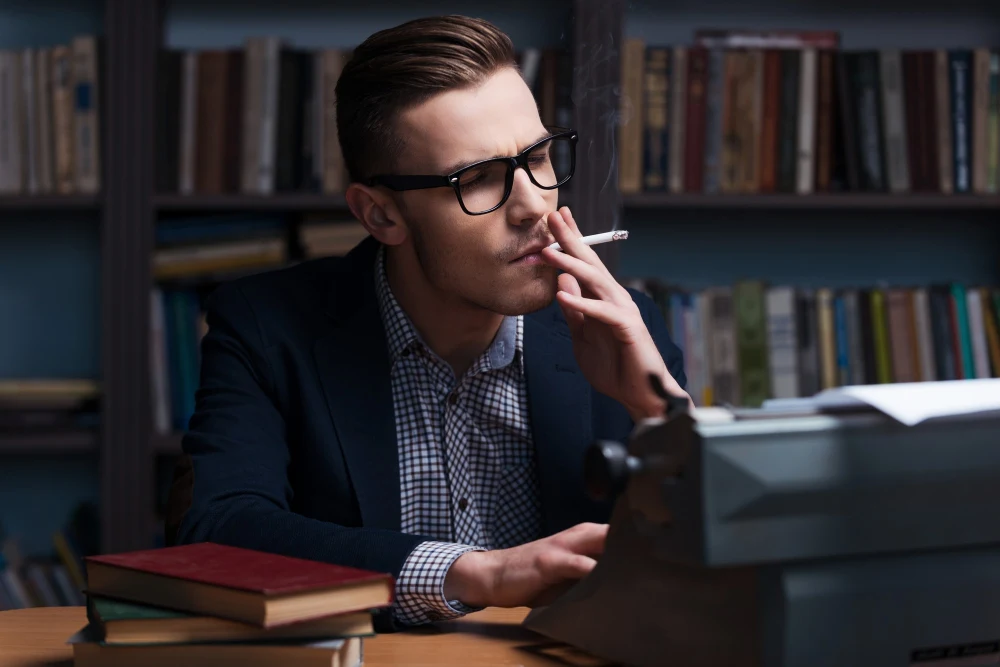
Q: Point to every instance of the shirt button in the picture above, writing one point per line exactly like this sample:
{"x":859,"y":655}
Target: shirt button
{"x":453,"y":399}
{"x":463,"y":504}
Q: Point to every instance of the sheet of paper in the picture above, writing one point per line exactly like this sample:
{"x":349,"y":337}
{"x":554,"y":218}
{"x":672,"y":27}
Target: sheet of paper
{"x":909,"y":402}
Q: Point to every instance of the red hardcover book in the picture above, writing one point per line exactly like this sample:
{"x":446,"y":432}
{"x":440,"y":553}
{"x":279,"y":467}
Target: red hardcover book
{"x":256,"y":587}
{"x":694,"y":144}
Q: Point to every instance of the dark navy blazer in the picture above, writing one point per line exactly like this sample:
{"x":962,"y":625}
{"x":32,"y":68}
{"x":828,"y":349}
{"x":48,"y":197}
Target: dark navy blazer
{"x":292,"y":444}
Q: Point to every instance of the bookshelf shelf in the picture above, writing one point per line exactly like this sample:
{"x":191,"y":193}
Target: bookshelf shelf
{"x":50,"y":441}
{"x":166,"y":445}
{"x":49,"y":202}
{"x":846,"y":201}
{"x":278,"y":202}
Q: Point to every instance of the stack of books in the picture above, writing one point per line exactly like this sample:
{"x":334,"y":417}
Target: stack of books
{"x":210,"y":604}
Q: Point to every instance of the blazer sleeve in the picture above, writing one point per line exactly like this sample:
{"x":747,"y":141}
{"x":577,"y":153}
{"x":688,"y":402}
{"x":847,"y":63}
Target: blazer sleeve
{"x":657,"y":325}
{"x":240,"y":493}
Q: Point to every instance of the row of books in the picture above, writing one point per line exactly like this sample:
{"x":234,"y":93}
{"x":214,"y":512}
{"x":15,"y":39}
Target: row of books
{"x":205,"y":604}
{"x":751,"y":341}
{"x":49,"y":580}
{"x":193,"y":255}
{"x":39,"y":404}
{"x":262,"y":118}
{"x":792,"y":112}
{"x":50,"y":137}
{"x":203,"y":249}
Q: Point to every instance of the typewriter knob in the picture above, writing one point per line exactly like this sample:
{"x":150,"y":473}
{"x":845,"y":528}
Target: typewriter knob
{"x":607,"y":467}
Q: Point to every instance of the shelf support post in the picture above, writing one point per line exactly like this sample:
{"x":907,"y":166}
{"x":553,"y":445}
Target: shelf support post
{"x":132,"y":40}
{"x":598,"y":30}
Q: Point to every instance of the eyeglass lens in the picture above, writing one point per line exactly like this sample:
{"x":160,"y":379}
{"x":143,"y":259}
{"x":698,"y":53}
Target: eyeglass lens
{"x":483,"y":187}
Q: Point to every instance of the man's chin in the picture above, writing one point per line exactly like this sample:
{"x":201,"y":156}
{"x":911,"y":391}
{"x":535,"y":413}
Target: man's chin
{"x":526,"y":297}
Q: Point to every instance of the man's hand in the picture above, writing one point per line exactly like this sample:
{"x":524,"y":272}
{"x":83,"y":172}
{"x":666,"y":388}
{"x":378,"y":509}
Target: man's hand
{"x":610,"y":340}
{"x":531,"y":574}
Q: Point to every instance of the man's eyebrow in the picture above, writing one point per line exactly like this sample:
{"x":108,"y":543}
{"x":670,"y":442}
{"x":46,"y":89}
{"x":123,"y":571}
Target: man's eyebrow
{"x":455,"y":166}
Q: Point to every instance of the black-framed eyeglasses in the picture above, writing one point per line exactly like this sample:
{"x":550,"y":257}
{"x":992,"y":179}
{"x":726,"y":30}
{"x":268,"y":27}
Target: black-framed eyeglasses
{"x":484,"y":186}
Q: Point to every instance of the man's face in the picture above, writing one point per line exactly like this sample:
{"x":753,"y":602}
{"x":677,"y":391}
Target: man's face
{"x":474,"y":257}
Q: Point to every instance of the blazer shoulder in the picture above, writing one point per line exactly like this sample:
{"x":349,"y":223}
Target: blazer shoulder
{"x":272,"y":300}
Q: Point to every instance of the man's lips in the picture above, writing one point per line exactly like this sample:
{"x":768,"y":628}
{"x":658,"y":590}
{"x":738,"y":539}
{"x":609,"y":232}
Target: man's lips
{"x":532,"y":253}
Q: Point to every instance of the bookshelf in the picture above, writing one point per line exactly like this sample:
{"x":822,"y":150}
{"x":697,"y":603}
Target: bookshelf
{"x":51,"y":441}
{"x":853,"y":201}
{"x":241,"y":202}
{"x":50,"y":203}
{"x":130,"y":207}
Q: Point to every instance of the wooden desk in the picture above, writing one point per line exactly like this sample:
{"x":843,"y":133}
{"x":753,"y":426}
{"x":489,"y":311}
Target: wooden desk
{"x":493,"y":637}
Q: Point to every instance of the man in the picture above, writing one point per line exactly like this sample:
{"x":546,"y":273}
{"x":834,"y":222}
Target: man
{"x":421,"y":406}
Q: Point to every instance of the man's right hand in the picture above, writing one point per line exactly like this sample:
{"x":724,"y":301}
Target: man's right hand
{"x":529,"y":575}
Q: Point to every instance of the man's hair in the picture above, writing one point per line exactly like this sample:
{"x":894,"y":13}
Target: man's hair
{"x":401,"y":67}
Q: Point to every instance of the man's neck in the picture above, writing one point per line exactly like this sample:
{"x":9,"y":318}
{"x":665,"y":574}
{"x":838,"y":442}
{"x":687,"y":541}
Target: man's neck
{"x":454,"y":330}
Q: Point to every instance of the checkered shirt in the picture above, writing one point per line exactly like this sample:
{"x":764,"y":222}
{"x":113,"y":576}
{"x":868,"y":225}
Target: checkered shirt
{"x":466,"y":457}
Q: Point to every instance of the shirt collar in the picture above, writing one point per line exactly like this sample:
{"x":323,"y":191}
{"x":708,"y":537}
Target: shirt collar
{"x":401,"y":335}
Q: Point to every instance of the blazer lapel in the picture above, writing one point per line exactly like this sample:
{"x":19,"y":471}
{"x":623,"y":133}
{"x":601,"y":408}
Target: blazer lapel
{"x":354,"y":369}
{"x":559,"y":400}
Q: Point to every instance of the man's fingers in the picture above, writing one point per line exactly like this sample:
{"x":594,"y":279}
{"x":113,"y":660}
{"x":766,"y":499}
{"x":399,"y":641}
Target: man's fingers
{"x":571,"y":566}
{"x":568,"y":237}
{"x":585,"y":538}
{"x":570,"y":220}
{"x":602,"y":311}
{"x":595,"y":280}
{"x":574,"y":318}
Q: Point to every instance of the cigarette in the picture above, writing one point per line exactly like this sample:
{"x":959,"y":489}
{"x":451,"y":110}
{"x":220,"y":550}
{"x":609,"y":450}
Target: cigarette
{"x":595,"y":239}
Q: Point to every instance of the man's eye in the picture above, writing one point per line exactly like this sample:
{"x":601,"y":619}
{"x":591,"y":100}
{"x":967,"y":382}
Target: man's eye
{"x":472,"y":181}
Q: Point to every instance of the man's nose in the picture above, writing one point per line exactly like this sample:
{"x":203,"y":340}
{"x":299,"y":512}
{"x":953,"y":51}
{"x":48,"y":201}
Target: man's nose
{"x":527,"y":202}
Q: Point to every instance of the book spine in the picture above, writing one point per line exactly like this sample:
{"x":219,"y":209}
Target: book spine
{"x":268,"y":136}
{"x":963,"y":338}
{"x":43,"y":101}
{"x":656,"y":128}
{"x":842,"y":341}
{"x":724,"y":355}
{"x":854,"y":336}
{"x":783,"y":346}
{"x":808,"y":333}
{"x":10,"y":123}
{"x":770,"y":115}
{"x":844,"y":68}
{"x":825,"y":138}
{"x":894,"y":120}
{"x":87,"y":114}
{"x":993,"y":126}
{"x":880,"y":323}
{"x":805,"y":166}
{"x":925,"y":335}
{"x":714,"y":100}
{"x":30,"y":116}
{"x":943,"y":118}
{"x":791,"y":80}
{"x":980,"y":113}
{"x":977,"y":333}
{"x":253,"y":72}
{"x":751,"y":340}
{"x":631,"y":120}
{"x":678,"y":118}
{"x":694,"y":139}
{"x":870,"y":129}
{"x":734,"y":111}
{"x":961,"y":118}
{"x":827,"y":338}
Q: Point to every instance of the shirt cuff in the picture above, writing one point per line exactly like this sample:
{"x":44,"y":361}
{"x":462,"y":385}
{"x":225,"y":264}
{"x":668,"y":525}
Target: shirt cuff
{"x":419,"y":594}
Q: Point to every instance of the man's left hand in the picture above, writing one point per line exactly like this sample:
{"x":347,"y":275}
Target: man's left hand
{"x":610,"y":340}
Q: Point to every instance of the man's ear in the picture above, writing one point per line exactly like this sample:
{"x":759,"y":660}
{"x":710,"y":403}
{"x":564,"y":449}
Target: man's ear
{"x":377,"y":212}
